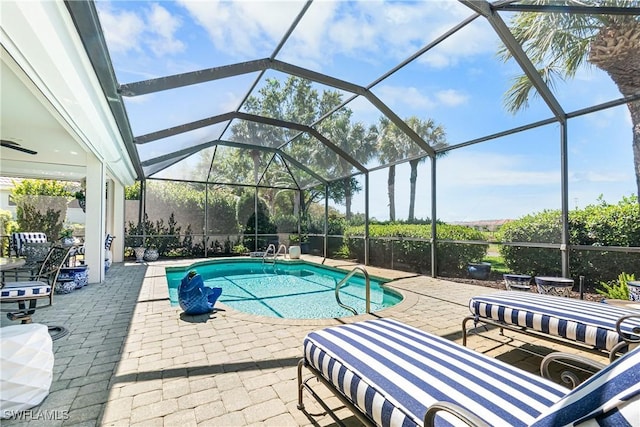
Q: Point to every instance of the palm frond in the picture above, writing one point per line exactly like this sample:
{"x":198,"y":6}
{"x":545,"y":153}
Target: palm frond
{"x":557,"y":44}
{"x":518,"y":95}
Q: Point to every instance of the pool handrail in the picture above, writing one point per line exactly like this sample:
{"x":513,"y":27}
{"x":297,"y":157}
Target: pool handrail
{"x":266,"y":253}
{"x":282,"y":246}
{"x":367,"y":289}
{"x":275,"y":254}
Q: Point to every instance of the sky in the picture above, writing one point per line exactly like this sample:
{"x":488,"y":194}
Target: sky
{"x":459,"y":83}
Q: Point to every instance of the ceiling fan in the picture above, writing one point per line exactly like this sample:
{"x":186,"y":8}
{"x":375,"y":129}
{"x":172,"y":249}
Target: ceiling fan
{"x":15,"y":146}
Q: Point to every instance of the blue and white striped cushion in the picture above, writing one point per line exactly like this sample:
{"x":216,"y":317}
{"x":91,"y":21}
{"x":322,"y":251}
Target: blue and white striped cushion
{"x":19,"y":239}
{"x":588,"y":322}
{"x":32,"y":289}
{"x":609,"y":398}
{"x":393,"y":372}
{"x":80,"y":250}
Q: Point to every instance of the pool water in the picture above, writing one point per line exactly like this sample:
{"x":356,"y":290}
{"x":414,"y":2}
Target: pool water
{"x":297,"y":289}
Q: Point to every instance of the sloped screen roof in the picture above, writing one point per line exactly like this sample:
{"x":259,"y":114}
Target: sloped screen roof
{"x":294,"y":94}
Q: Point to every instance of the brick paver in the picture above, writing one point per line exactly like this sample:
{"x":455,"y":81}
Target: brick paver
{"x":131,"y":359}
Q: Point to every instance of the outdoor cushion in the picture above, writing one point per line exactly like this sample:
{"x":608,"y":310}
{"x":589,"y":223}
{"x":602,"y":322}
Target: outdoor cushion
{"x":27,"y":289}
{"x":586,"y":322}
{"x":19,"y":239}
{"x":609,"y":398}
{"x":393,"y":372}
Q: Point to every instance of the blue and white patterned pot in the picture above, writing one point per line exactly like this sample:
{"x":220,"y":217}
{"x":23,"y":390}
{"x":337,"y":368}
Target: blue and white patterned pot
{"x":479,"y":270}
{"x":634,"y":290}
{"x":151,"y":254}
{"x":517,"y":282}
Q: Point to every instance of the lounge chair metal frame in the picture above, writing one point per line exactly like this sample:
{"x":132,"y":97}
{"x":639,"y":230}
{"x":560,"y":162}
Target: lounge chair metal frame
{"x":626,"y":338}
{"x":345,"y":373}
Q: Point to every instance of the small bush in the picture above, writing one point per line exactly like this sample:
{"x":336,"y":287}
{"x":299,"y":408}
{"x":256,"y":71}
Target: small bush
{"x":240,"y":249}
{"x":413,"y":254}
{"x":596,"y":225}
{"x":616,"y":289}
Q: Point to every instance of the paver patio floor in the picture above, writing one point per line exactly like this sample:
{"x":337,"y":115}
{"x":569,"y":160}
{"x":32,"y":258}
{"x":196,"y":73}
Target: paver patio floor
{"x":131,"y":359}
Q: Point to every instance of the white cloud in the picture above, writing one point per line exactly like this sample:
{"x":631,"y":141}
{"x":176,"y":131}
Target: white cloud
{"x":451,"y":97}
{"x":375,"y":31}
{"x":164,"y":25}
{"x":476,"y":169}
{"x":409,"y":96}
{"x":243,"y":29}
{"x":601,"y":176}
{"x":404,"y":95}
{"x":122,"y":30}
{"x":153,"y":27}
{"x":476,"y":39}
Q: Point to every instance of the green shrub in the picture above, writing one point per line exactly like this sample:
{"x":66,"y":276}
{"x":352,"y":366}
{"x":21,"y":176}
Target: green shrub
{"x":41,"y":206}
{"x":246,"y":209}
{"x":7,"y":226}
{"x":596,"y":225}
{"x":286,"y":223}
{"x":413,"y":254}
{"x":616,"y":289}
{"x":342,"y":253}
{"x":240,"y":249}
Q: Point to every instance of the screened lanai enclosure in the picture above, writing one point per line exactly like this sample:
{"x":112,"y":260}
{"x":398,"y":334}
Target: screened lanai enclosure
{"x":314,"y":121}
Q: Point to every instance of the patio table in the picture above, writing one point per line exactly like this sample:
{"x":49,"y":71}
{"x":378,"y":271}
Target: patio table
{"x":560,"y":286}
{"x":11,"y":263}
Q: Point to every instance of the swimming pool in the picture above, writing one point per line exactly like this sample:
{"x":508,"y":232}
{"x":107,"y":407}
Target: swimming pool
{"x":288,"y":289}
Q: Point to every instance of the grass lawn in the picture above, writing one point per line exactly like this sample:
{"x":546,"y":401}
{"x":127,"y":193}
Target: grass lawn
{"x":497,"y":264}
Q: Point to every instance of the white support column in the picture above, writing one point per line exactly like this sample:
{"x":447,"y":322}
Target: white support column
{"x":95,"y":219}
{"x":116,"y":228}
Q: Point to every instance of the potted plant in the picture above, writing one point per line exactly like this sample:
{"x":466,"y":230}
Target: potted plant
{"x":479,"y":270}
{"x":66,"y":236}
{"x":139,"y":253}
{"x":151,"y":253}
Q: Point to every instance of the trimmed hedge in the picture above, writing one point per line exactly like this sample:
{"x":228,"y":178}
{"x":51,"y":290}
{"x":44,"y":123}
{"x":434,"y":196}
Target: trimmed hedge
{"x":595,"y":225}
{"x":413,"y":255}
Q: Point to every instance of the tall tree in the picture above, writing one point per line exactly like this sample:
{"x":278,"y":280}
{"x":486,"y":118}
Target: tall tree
{"x":394,"y":145}
{"x":296,"y":100}
{"x":558,"y":44}
{"x":435,"y":136}
{"x":355,"y":139}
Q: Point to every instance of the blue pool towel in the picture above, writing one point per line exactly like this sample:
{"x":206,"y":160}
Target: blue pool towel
{"x":196,"y":298}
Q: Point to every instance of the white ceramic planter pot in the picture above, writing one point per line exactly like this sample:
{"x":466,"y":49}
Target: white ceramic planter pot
{"x":294,"y":252}
{"x":139,"y":252}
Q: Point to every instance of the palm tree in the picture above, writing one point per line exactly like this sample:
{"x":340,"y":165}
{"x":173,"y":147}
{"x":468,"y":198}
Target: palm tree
{"x":355,"y":139}
{"x":435,"y":136}
{"x":558,"y":44}
{"x":393,"y":145}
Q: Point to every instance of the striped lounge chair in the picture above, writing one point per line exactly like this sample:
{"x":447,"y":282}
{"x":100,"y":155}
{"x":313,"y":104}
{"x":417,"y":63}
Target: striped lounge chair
{"x":603,"y":327}
{"x":392,"y":374}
